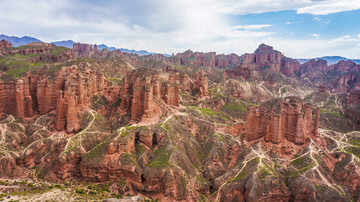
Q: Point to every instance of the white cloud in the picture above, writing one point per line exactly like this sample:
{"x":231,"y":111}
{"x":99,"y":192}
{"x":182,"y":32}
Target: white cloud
{"x":316,"y":35}
{"x":252,"y":27}
{"x":317,"y":19}
{"x":329,"y":6}
{"x":322,"y":7}
{"x":166,"y":26}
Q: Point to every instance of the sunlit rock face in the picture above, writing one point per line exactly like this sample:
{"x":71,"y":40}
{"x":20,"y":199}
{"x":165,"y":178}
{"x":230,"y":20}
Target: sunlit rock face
{"x":287,"y":118}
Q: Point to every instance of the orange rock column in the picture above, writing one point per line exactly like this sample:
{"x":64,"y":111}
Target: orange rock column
{"x":19,"y":99}
{"x":72,"y":124}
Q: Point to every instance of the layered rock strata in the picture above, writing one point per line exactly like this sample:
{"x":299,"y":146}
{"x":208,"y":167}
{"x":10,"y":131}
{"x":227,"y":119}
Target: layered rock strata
{"x":15,"y":98}
{"x":66,"y":93}
{"x":142,"y":92}
{"x":5,"y":44}
{"x":287,"y":118}
{"x":85,"y":50}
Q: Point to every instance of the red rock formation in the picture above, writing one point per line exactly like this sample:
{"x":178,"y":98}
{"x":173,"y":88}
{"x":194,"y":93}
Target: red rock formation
{"x":171,"y":95}
{"x":289,"y":66}
{"x":5,"y":44}
{"x":191,"y":58}
{"x":287,"y":118}
{"x":266,"y":56}
{"x":85,"y":50}
{"x":313,"y":64}
{"x":15,"y":98}
{"x":321,"y":89}
{"x":353,"y":97}
{"x":345,"y":66}
{"x":39,"y":93}
{"x":227,"y":60}
{"x":201,"y":82}
{"x":240,"y":72}
{"x":141,"y":92}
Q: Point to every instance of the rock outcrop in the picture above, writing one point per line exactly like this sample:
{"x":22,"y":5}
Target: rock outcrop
{"x":353,"y":97}
{"x":142,"y":93}
{"x":286,"y":118}
{"x":265,"y":56}
{"x":202,"y":83}
{"x":85,"y":50}
{"x":311,"y":65}
{"x":191,"y":58}
{"x":75,"y":92}
{"x":15,"y":98}
{"x":227,"y":60}
{"x":5,"y":44}
{"x":67,"y":92}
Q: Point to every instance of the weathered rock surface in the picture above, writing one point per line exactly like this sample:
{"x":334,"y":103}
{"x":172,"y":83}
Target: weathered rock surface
{"x":287,"y":118}
{"x":5,"y":44}
{"x":85,"y":50}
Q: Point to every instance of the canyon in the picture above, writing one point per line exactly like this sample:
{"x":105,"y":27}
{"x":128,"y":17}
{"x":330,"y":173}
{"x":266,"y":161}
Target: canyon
{"x":192,"y":126}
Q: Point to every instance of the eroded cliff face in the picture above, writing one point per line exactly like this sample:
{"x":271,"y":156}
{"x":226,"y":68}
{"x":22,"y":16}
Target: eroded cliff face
{"x":5,"y":44}
{"x":191,"y":58}
{"x":142,"y":93}
{"x":15,"y":98}
{"x":85,"y":50}
{"x":266,"y":56}
{"x":288,"y":118}
{"x":70,"y":90}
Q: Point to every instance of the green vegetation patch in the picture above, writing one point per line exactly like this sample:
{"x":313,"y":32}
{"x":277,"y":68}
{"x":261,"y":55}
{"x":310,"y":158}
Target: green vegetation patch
{"x":353,"y":150}
{"x":249,"y":167}
{"x":302,"y":162}
{"x":97,"y":101}
{"x":162,"y":158}
{"x":232,"y":106}
{"x":355,"y":142}
{"x":323,"y":111}
{"x":264,"y":172}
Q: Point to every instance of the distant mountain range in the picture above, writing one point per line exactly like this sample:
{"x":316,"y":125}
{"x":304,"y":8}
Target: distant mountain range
{"x":17,"y":41}
{"x":330,"y":59}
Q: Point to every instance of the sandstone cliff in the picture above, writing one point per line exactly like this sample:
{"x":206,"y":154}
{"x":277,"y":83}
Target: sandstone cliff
{"x":5,"y":44}
{"x":287,"y":118}
{"x":85,"y":50}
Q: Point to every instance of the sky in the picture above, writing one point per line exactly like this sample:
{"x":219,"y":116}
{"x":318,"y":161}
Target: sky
{"x":298,"y":28}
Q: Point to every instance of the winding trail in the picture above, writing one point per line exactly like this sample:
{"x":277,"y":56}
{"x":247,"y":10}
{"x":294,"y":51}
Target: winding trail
{"x":312,"y":147}
{"x":75,"y":141}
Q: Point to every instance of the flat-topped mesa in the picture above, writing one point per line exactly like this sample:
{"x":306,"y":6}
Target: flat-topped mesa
{"x":85,"y":50}
{"x":287,"y":118}
{"x":5,"y":44}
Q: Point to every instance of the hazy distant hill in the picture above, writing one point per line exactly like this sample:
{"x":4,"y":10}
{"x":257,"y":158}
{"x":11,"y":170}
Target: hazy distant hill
{"x":16,"y":41}
{"x":331,"y":59}
{"x":67,"y":44}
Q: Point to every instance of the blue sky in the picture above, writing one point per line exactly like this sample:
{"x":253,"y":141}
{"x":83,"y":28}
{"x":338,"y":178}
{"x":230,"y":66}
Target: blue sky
{"x":298,"y":28}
